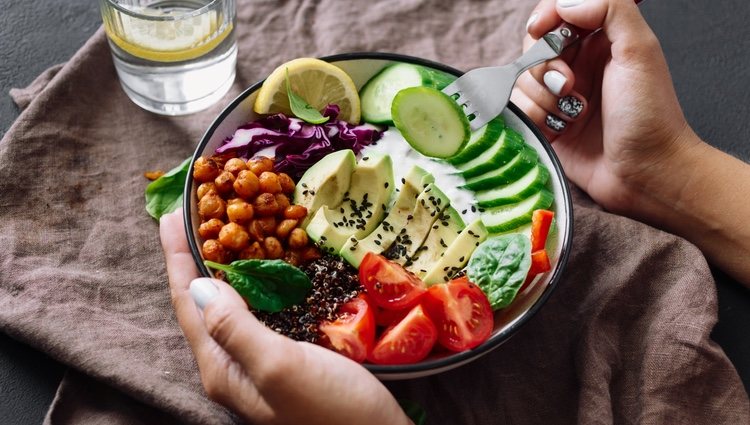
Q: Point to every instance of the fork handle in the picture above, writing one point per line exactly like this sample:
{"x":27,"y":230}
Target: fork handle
{"x":567,"y":34}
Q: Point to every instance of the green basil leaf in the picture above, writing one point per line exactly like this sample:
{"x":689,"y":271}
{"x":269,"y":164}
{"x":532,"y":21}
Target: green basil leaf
{"x":414,"y":411}
{"x":164,"y":194}
{"x":267,"y":285}
{"x":499,"y":267}
{"x":302,"y":109}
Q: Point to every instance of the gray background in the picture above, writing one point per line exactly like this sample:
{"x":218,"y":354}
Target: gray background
{"x":702,"y":40}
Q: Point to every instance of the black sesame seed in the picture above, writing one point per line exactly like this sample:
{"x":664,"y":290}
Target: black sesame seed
{"x":464,"y":211}
{"x":365,"y":158}
{"x":403,"y":180}
{"x":385,"y":185}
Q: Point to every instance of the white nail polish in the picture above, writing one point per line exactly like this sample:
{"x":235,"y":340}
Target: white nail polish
{"x":203,"y":290}
{"x":569,"y":3}
{"x":554,"y":81}
{"x":534,"y":16}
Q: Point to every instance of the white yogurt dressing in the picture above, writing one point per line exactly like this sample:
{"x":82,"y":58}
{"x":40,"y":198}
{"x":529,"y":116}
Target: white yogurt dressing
{"x":404,"y":157}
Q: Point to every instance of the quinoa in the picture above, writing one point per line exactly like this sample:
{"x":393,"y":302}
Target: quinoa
{"x":334,"y":282}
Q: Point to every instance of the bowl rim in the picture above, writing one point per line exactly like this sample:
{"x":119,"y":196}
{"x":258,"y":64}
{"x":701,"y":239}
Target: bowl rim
{"x":456,"y":359}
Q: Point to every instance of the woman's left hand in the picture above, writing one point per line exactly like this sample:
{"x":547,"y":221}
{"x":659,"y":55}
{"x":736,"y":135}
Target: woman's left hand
{"x":263,"y":376}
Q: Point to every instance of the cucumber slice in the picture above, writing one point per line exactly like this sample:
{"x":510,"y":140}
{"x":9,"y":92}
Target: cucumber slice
{"x":378,"y":93}
{"x":431,"y":121}
{"x":508,"y":173}
{"x":509,"y":217}
{"x":496,"y":156}
{"x":531,"y":183}
{"x":479,"y":141}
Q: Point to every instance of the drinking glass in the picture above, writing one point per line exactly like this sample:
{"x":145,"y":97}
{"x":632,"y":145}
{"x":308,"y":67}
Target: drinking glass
{"x":173,"y":57}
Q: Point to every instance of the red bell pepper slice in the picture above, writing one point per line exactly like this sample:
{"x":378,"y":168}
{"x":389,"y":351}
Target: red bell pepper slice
{"x":541,"y":220}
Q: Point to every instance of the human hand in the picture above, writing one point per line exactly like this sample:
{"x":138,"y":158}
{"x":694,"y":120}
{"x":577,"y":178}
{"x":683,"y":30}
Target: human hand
{"x":263,"y":376}
{"x":624,"y":127}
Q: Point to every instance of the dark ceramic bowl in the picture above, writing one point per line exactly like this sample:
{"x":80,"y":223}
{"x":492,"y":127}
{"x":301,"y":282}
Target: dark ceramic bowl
{"x":362,"y":66}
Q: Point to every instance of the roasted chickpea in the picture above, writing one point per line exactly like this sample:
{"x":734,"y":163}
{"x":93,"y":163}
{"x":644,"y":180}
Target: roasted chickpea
{"x":283,"y":202}
{"x":235,"y":165}
{"x":254,"y":251}
{"x":285,"y":228}
{"x":213,"y":250}
{"x":269,"y":182}
{"x":255,"y":229}
{"x":204,"y":188}
{"x":295,"y":211}
{"x":273,"y":248}
{"x":260,"y":164}
{"x":267,"y":225}
{"x":239,"y":211}
{"x":246,"y":185}
{"x":310,"y":253}
{"x":286,"y":182}
{"x":293,"y":257}
{"x":205,"y":170}
{"x":224,"y":182}
{"x":211,"y":206}
{"x":210,"y":229}
{"x":266,"y":205}
{"x":234,"y":237}
{"x":298,"y":238}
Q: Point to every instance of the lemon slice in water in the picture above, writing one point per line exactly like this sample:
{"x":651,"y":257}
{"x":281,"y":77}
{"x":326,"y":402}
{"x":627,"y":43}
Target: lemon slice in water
{"x":166,"y":40}
{"x":318,"y":82}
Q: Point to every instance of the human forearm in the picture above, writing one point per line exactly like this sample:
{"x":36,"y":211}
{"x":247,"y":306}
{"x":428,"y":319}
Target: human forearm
{"x":703,"y":195}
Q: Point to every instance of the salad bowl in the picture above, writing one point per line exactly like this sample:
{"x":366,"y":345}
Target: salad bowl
{"x":361,"y":67}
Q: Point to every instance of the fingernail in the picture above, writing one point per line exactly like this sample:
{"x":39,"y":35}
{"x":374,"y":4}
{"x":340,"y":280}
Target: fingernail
{"x":554,"y":81}
{"x":570,"y":106}
{"x":569,"y":3}
{"x":554,"y":122}
{"x":534,"y":16}
{"x":203,"y":290}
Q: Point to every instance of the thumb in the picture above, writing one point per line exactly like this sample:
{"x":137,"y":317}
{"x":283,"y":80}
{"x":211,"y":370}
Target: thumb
{"x":233,"y":327}
{"x":632,"y":39}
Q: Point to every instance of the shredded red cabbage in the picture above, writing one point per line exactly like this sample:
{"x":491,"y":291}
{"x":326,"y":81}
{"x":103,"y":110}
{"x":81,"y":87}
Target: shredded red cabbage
{"x":299,"y":144}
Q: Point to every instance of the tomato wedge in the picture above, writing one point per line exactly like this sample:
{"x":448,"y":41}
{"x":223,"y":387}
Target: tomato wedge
{"x":385,"y":317}
{"x":388,"y":284}
{"x":352,"y":334}
{"x":461,"y":312}
{"x":408,"y":341}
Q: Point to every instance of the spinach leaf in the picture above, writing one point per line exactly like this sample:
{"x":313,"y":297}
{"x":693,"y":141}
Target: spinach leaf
{"x":499,"y":267}
{"x":164,"y":194}
{"x":268,"y":285}
{"x":302,"y":109}
{"x":414,"y":411}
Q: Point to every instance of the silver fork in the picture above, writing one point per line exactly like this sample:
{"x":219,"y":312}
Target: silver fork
{"x":484,"y":92}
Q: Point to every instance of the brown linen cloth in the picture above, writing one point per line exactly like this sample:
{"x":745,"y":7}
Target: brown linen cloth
{"x":625,"y":338}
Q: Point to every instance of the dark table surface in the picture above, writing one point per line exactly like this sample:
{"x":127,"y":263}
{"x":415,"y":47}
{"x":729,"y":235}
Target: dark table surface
{"x":702,"y":40}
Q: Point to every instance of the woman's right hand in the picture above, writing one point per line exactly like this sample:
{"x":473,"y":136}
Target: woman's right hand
{"x":621,"y":138}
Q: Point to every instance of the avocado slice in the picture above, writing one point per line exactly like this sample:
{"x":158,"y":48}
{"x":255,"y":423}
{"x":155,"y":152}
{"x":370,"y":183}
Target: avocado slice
{"x":430,"y":204}
{"x":325,"y":182}
{"x":457,"y":255}
{"x":442,"y":234}
{"x":361,"y":209}
{"x":354,"y":250}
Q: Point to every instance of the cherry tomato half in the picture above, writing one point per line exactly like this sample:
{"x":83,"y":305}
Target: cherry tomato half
{"x":461,"y":312}
{"x":352,"y":334}
{"x":408,"y":341}
{"x":388,"y":284}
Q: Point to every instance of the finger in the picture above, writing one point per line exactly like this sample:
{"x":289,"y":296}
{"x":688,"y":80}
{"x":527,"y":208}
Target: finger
{"x":265,"y":355}
{"x":632,"y":39}
{"x":550,"y":124}
{"x":569,"y":107}
{"x":181,"y":271}
{"x":555,"y":73}
{"x":542,"y":19}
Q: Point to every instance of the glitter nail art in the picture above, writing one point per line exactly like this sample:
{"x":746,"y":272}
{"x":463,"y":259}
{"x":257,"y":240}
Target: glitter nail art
{"x":570,"y":106}
{"x":555,"y":123}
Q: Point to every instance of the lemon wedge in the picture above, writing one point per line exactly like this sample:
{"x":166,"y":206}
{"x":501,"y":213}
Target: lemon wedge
{"x":167,"y":40}
{"x":318,"y":82}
